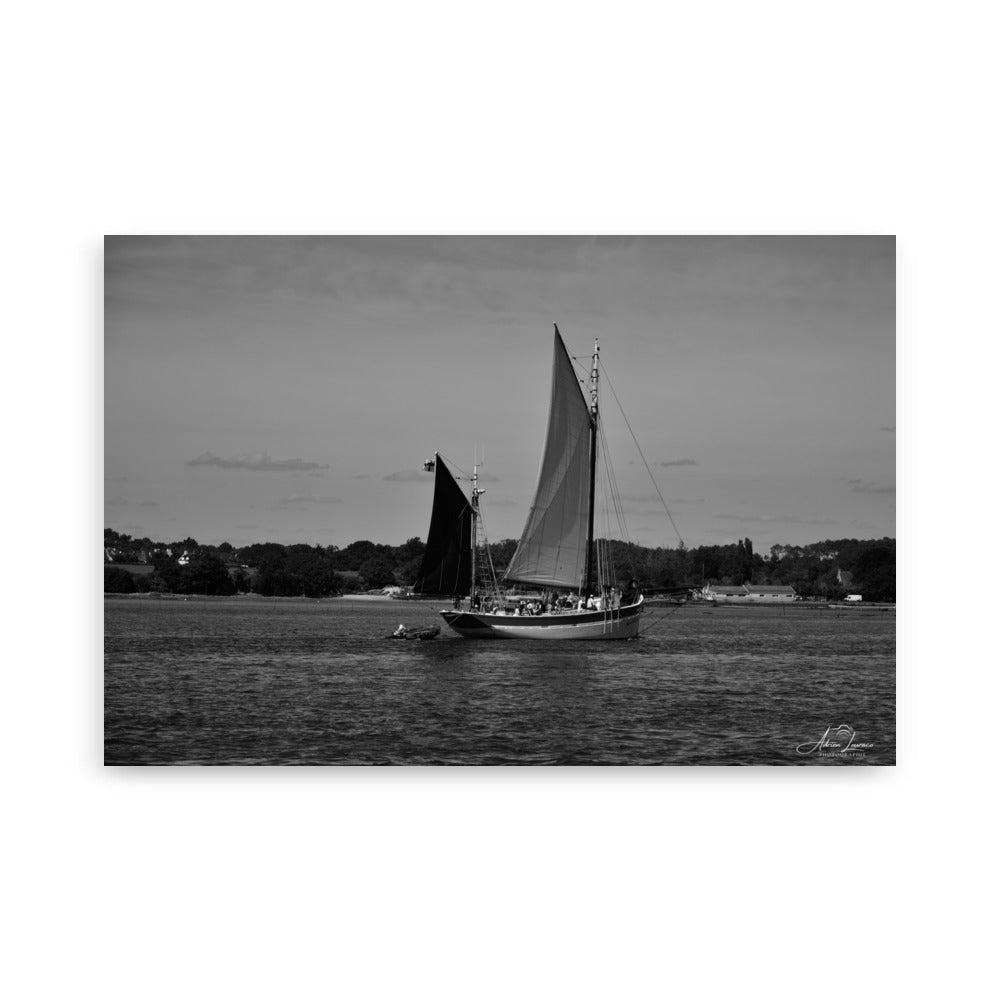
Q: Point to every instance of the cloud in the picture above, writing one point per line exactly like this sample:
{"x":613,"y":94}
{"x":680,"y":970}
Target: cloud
{"x":148,"y":503}
{"x":296,"y":498}
{"x":891,"y":430}
{"x":361,"y":475}
{"x":409,"y":476}
{"x":115,"y":479}
{"x":772,"y":519}
{"x":678,"y":461}
{"x":258,"y":461}
{"x":116,"y":501}
{"x":862,"y":486}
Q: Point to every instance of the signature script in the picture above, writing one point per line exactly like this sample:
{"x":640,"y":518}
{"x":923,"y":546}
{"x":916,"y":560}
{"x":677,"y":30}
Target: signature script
{"x":839,"y":740}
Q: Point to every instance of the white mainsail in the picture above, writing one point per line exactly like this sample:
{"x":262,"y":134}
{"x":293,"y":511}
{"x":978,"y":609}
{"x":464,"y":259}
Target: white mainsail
{"x":552,"y":551}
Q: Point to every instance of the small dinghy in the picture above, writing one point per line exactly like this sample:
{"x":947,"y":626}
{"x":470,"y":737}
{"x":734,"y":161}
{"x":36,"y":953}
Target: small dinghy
{"x":427,"y":632}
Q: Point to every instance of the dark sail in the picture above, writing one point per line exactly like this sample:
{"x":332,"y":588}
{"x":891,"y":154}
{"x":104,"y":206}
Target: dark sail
{"x":447,"y":564}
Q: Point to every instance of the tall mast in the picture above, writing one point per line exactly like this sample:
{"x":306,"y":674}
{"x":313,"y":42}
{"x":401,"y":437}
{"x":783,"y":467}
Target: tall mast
{"x":593,"y":468}
{"x":476,"y":494}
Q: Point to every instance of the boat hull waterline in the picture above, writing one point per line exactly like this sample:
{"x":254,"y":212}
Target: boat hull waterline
{"x":620,"y":623}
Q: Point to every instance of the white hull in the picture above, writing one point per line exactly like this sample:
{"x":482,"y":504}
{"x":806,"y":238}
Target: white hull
{"x":589,"y":625}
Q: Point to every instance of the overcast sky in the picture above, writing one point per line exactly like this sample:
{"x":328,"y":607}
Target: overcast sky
{"x":289,"y":389}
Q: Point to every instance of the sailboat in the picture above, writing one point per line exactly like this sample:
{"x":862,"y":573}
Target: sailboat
{"x":571,"y":595}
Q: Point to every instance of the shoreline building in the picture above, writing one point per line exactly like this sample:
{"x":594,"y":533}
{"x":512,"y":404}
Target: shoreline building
{"x":747,"y":593}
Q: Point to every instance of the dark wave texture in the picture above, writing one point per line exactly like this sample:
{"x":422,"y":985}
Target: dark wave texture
{"x":316,"y":682}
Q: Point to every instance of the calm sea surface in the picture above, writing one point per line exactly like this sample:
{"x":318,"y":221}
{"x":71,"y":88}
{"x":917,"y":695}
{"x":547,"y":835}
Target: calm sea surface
{"x":244,"y":681}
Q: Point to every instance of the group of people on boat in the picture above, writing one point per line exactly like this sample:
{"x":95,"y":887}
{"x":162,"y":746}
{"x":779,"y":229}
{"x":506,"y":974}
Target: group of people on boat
{"x":611,"y":599}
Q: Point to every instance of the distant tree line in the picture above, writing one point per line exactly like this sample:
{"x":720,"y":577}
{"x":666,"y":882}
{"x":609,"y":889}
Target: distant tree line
{"x":136,"y":565}
{"x":813,"y":571}
{"x":274,"y":570}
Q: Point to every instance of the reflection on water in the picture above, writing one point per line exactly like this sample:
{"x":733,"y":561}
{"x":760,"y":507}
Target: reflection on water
{"x":316,"y":682}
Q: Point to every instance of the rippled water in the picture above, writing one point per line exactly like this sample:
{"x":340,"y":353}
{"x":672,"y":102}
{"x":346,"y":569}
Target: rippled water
{"x":315,"y":682}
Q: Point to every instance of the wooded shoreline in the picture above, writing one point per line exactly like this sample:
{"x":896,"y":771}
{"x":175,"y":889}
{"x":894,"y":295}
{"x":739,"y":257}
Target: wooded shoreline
{"x":825,"y":571}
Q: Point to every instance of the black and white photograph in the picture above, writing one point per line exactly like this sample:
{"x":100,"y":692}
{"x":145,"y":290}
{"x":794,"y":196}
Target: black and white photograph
{"x":542,"y":460}
{"x":500,"y":500}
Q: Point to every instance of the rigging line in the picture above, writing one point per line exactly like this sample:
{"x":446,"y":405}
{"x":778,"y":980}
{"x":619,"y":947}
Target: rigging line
{"x":654,"y":622}
{"x":611,"y":504}
{"x":458,"y":564}
{"x":601,"y":542}
{"x":607,"y":378}
{"x":615,"y":493}
{"x":629,"y":544}
{"x":604,"y":550}
{"x":620,"y":510}
{"x":489,"y":554}
{"x":605,"y":456}
{"x":454,"y":465}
